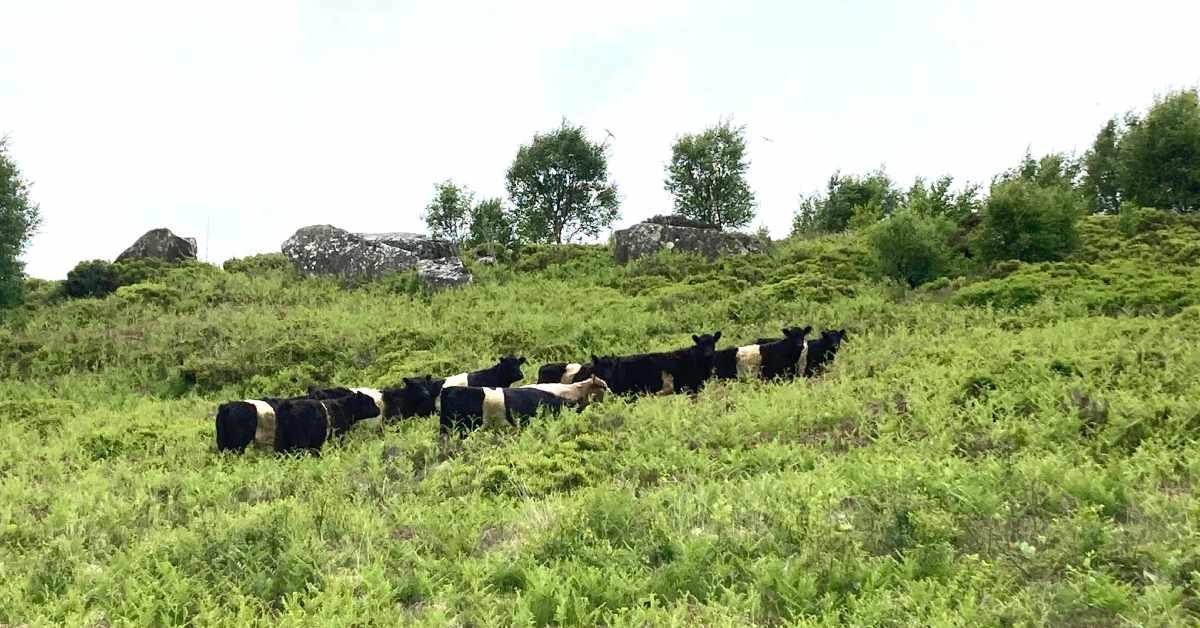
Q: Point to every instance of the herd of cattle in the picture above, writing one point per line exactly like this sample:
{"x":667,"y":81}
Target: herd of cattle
{"x":468,"y":401}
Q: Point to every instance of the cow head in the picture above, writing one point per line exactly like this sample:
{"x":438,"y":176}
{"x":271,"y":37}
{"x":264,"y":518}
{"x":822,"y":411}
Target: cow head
{"x":834,"y":338}
{"x":360,"y":406}
{"x":706,"y":344}
{"x":604,"y":367}
{"x":414,"y":398}
{"x":797,"y":335}
{"x":509,"y":369}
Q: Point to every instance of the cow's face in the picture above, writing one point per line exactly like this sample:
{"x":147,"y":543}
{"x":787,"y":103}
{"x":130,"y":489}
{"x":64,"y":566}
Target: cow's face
{"x":361,"y":406}
{"x":510,"y":368}
{"x":604,"y":368}
{"x":706,"y":344}
{"x":834,"y":337}
{"x":796,"y":335}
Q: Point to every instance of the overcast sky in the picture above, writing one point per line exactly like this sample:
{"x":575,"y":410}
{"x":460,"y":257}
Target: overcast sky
{"x":239,"y":122}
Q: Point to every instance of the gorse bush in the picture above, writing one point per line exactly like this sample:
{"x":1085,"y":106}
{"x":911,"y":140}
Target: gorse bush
{"x":913,"y":248}
{"x":259,"y":265}
{"x":1026,"y":221}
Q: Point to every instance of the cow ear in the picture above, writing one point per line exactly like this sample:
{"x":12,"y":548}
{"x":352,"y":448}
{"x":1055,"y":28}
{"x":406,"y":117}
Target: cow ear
{"x":594,"y":359}
{"x":522,"y":360}
{"x":716,"y":336}
{"x":695,"y":338}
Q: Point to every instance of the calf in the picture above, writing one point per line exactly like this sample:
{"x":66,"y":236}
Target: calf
{"x":285,"y":424}
{"x":582,"y":393}
{"x":822,"y":351}
{"x":467,"y":408}
{"x":564,"y":373}
{"x":765,"y":359}
{"x":682,"y":370}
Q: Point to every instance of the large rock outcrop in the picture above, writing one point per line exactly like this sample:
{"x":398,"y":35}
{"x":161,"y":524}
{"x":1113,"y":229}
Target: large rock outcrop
{"x":161,"y":244}
{"x":327,"y":250}
{"x":419,"y":244}
{"x":677,"y":233}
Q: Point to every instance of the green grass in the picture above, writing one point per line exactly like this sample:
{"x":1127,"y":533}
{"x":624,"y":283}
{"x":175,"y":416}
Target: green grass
{"x":969,"y":460}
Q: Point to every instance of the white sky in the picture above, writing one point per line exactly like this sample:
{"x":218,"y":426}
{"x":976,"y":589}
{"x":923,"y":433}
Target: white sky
{"x":246,"y":120}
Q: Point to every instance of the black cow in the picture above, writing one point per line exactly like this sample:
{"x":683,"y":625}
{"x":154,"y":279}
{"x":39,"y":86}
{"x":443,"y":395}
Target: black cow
{"x":767,"y":360}
{"x":564,"y":373}
{"x":278,"y":423}
{"x":506,"y":372}
{"x":822,"y":351}
{"x":415,"y":398}
{"x":682,"y":370}
{"x":305,"y":424}
{"x":467,"y":408}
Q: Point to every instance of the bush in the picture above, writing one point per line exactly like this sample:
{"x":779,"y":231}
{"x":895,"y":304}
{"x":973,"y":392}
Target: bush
{"x":1028,"y":222}
{"x":258,"y":265}
{"x":1134,"y":219}
{"x":98,"y":278}
{"x":93,"y":279}
{"x":913,"y":248}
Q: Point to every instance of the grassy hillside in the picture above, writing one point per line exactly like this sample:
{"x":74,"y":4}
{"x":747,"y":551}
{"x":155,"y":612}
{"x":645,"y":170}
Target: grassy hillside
{"x":1015,"y":449}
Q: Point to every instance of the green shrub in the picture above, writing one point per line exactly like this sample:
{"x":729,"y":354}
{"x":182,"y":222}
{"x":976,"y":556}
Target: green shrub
{"x":92,"y":279}
{"x":913,"y":248}
{"x":258,"y":265}
{"x":1134,"y":220}
{"x":150,"y":293}
{"x":1028,"y":222}
{"x":98,"y":278}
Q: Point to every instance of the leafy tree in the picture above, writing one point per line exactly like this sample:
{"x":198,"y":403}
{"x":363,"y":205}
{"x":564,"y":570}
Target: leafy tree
{"x":871,"y":195}
{"x":448,"y":215}
{"x":1159,"y":155}
{"x":938,"y":199}
{"x":559,"y":185}
{"x":913,"y":247}
{"x":19,"y":219}
{"x":1051,"y":170}
{"x":1101,"y":166}
{"x":490,"y":224}
{"x":707,"y":176}
{"x":1025,"y":221}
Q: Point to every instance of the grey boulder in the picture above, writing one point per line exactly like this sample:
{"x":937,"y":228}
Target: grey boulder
{"x":161,"y":244}
{"x":420,"y":245}
{"x":647,"y":238}
{"x":327,"y":250}
{"x":445,"y":272}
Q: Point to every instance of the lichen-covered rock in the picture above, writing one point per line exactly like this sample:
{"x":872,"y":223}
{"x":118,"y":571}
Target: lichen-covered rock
{"x":420,"y":245}
{"x":327,"y":250}
{"x":445,"y":272}
{"x":161,"y":244}
{"x":675,"y":220}
{"x":648,"y":238}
